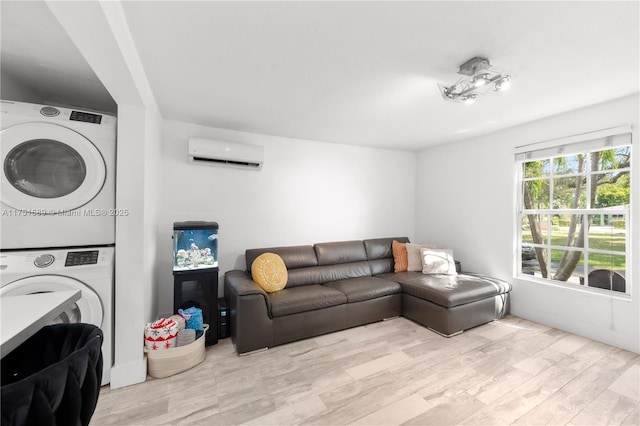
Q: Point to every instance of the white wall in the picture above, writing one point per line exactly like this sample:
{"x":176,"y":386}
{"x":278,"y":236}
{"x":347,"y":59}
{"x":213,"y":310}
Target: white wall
{"x":152,"y":191}
{"x":13,"y":89}
{"x":135,"y":241}
{"x":306,"y":192}
{"x":466,"y":193}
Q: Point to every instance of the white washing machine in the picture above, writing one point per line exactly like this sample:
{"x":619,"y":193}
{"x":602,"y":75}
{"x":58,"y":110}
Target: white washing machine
{"x":58,"y":177}
{"x":88,"y":269}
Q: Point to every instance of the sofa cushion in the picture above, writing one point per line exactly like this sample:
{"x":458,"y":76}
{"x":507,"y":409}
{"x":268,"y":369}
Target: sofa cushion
{"x":269,"y":272}
{"x":325,"y":274}
{"x":304,"y":298}
{"x":340,"y":252}
{"x":400,"y":261}
{"x":438,"y":261}
{"x":365,"y":288}
{"x":449,"y":290}
{"x":381,"y":266}
{"x":380,"y":254}
{"x":293,"y":257}
{"x":414,"y":258}
{"x":380,"y":248}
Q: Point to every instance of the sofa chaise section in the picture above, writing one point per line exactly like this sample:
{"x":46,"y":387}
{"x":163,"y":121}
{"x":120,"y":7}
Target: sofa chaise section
{"x":449,"y":304}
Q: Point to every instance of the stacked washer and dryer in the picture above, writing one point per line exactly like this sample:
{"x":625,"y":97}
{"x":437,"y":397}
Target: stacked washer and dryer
{"x":57,"y":228}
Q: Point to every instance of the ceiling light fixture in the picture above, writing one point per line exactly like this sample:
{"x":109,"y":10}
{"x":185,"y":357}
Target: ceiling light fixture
{"x":480,"y":77}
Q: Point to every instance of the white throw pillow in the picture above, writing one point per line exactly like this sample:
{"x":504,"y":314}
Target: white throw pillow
{"x":414,"y":258}
{"x":438,"y":261}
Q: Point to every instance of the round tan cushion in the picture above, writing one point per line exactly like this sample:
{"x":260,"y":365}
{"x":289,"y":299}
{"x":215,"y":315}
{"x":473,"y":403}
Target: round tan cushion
{"x":269,"y":272}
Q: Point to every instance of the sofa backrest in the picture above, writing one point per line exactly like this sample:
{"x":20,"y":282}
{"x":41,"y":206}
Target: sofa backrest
{"x":380,"y":253}
{"x":333,"y":261}
{"x":340,"y":252}
{"x":293,"y":256}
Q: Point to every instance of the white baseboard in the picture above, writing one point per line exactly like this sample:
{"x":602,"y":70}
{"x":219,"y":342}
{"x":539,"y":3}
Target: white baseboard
{"x":128,"y":374}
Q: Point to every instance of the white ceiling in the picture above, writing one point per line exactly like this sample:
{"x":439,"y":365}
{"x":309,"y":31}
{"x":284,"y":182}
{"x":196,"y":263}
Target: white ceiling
{"x":362,"y":73}
{"x":37,"y":55}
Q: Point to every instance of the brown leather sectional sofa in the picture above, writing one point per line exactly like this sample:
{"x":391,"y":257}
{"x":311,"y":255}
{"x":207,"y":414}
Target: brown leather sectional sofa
{"x":333,"y":286}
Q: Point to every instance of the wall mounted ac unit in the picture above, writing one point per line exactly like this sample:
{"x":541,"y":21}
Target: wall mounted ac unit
{"x":227,"y":154}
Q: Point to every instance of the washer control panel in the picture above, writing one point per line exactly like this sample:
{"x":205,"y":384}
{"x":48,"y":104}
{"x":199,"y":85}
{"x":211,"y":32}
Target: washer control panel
{"x":77,"y":258}
{"x":86,"y":117}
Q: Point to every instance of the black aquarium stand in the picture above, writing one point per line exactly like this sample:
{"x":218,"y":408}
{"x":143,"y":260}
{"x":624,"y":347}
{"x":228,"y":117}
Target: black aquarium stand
{"x":199,"y":289}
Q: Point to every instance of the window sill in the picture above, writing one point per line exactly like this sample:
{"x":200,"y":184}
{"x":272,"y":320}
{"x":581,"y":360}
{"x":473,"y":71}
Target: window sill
{"x":598,"y":292}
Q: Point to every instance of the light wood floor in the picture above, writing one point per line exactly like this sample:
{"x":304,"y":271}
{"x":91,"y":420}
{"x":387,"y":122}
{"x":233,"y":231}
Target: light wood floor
{"x":396,"y":372}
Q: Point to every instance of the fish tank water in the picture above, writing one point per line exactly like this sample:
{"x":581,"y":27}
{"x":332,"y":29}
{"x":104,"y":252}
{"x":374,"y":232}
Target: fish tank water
{"x":195,"y":246}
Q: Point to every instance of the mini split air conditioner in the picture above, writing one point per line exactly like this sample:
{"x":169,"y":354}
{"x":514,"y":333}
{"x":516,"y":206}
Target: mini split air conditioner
{"x":227,"y":154}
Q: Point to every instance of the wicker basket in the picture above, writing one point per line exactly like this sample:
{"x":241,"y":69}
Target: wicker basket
{"x":167,"y":362}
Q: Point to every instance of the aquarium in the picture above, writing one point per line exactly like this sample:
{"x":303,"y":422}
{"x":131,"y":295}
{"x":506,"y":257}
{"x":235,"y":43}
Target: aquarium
{"x":195,"y":246}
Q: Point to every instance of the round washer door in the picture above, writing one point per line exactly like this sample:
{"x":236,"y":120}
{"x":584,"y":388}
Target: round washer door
{"x":88,"y":309}
{"x":49,"y":168}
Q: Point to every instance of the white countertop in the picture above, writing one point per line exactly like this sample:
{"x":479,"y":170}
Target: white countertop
{"x":22,"y":316}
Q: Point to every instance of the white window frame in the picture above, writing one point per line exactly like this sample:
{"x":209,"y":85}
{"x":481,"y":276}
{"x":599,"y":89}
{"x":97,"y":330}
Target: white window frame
{"x":583,"y":143}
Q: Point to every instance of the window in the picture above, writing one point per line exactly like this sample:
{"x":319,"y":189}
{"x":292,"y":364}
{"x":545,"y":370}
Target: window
{"x":574,"y":210}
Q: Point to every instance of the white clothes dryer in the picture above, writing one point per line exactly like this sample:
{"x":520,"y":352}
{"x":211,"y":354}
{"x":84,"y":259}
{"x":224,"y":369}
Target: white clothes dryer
{"x":87,"y":269}
{"x":58,"y":177}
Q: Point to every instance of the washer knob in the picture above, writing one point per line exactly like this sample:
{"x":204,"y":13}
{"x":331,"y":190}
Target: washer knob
{"x":49,"y":111}
{"x":44,"y":260}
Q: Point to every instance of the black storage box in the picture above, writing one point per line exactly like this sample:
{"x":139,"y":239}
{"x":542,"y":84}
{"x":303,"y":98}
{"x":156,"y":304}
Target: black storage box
{"x":223,"y":318}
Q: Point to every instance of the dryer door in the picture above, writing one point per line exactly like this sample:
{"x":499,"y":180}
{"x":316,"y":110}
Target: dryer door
{"x":49,"y":168}
{"x":88,"y":308}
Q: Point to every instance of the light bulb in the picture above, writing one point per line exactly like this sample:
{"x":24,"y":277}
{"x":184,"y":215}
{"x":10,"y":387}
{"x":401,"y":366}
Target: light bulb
{"x":479,"y":81}
{"x":503,"y":84}
{"x":447,"y":92}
